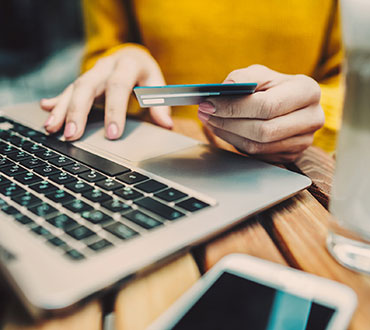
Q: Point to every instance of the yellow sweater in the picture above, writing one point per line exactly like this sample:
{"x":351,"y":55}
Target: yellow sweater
{"x":201,"y":41}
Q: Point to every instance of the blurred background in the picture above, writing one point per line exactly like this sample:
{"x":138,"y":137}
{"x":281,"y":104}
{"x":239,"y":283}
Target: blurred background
{"x":41,"y":45}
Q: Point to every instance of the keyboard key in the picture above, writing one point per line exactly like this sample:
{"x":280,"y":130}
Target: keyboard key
{"x":19,"y":156}
{"x":27,"y":199}
{"x":96,"y":217}
{"x":78,"y":206}
{"x":4,"y":180}
{"x":46,"y":154}
{"x":6,"y":149}
{"x":80,"y":232}
{"x":96,"y":162}
{"x":41,"y":231}
{"x":34,"y":148}
{"x":5,"y":162}
{"x":24,"y":220}
{"x":47,"y":170}
{"x":62,"y":178}
{"x":60,"y":196}
{"x":158,"y":208}
{"x":76,"y":168}
{"x":75,"y":255}
{"x":25,"y":131}
{"x":18,"y":141}
{"x":143,"y":220}
{"x":13,"y":170}
{"x":56,"y":241}
{"x":62,"y":221}
{"x":79,"y":187}
{"x":92,"y":176}
{"x":120,"y":230}
{"x":132,"y":177}
{"x":33,"y":162}
{"x":100,"y":245}
{"x":43,"y":210}
{"x":28,"y":178}
{"x":11,"y":189}
{"x":9,"y":209}
{"x":116,"y":205}
{"x":96,"y":196}
{"x":44,"y":187}
{"x":192,"y":204}
{"x":61,"y":161}
{"x":170,"y":195}
{"x":150,"y":186}
{"x":2,"y":203}
{"x":109,"y":184}
{"x":40,"y":138}
{"x":128,"y":193}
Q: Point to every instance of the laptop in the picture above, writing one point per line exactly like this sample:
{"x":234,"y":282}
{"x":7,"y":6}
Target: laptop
{"x":80,"y":218}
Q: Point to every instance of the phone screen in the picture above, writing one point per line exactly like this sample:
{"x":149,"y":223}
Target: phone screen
{"x":233,"y":302}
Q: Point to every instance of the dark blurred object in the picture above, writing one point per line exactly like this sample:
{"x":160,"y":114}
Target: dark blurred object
{"x":31,"y":30}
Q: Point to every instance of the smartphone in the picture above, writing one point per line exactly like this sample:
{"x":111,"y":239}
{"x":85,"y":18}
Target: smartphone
{"x":244,"y":292}
{"x":172,"y":95}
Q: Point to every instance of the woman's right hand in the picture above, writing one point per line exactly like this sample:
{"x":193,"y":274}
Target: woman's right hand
{"x":113,"y":76}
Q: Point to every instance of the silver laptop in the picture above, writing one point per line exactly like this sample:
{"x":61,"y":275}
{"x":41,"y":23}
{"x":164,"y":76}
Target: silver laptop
{"x":79,"y":218}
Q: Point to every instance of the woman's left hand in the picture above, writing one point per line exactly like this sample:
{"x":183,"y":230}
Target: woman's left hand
{"x":276,"y":123}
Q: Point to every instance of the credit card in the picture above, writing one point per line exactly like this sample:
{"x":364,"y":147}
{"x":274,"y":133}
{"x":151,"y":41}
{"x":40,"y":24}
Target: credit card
{"x":151,"y":96}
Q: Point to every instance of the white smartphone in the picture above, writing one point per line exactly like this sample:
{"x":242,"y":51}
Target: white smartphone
{"x":244,"y":292}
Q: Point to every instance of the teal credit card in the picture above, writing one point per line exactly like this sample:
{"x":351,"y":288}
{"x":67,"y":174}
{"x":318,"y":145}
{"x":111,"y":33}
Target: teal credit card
{"x":151,"y":96}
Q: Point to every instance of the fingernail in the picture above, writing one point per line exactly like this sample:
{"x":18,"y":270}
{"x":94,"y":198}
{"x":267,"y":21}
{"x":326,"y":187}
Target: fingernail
{"x":203,"y":117}
{"x":49,"y":121}
{"x":207,"y":107}
{"x":112,"y":131}
{"x":168,"y":122}
{"x":70,"y":129}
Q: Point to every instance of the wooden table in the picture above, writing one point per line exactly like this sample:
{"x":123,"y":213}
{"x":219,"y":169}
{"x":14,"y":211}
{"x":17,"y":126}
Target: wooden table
{"x":292,"y":233}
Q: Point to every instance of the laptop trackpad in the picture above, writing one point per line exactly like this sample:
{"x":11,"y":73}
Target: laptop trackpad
{"x":140,"y":141}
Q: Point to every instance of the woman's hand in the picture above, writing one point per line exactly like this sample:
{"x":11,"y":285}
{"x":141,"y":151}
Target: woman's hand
{"x":113,"y":76}
{"x":276,"y":123}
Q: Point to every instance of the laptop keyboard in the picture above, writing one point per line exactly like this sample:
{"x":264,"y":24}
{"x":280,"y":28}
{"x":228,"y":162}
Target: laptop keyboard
{"x":77,"y":202}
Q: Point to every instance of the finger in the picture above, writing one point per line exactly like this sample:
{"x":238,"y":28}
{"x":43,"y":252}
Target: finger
{"x":56,"y":118}
{"x":161,"y":115}
{"x":293,"y":144}
{"x":85,"y":89}
{"x":49,"y":104}
{"x":295,"y":93}
{"x":264,"y":77}
{"x":298,"y":122}
{"x":117,"y":95}
{"x":280,"y":158}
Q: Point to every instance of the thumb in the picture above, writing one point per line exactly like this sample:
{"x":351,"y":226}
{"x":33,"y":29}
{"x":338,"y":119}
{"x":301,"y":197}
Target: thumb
{"x":260,"y":74}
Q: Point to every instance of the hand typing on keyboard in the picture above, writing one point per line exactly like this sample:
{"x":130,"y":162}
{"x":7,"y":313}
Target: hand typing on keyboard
{"x":79,"y":203}
{"x":114,"y":76}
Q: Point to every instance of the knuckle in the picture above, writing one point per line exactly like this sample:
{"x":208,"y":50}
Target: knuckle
{"x":82,"y":83}
{"x":251,"y":147}
{"x":266,"y":132}
{"x":290,"y":158}
{"x":234,"y":75}
{"x":320,"y":118}
{"x":312,"y":86}
{"x":267,"y":108}
{"x":218,"y":122}
{"x":258,"y":67}
{"x":115,"y":82}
